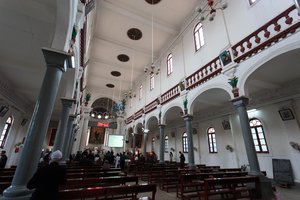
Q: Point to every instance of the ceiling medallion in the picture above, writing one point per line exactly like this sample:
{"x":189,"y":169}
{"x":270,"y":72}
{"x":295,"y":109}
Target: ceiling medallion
{"x":110,"y":85}
{"x":134,"y":34}
{"x":115,"y":73}
{"x":152,"y":1}
{"x":123,"y":58}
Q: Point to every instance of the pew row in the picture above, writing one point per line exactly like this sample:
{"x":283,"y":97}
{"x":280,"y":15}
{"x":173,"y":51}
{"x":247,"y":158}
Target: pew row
{"x":128,"y":192}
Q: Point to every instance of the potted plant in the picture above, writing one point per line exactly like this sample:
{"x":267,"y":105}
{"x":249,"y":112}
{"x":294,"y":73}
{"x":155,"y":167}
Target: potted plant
{"x":182,"y":85}
{"x":88,"y":96}
{"x":17,"y":147}
{"x":233,"y":82}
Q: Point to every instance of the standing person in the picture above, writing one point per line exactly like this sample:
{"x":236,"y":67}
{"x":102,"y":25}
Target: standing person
{"x":171,"y":157}
{"x":3,"y":159}
{"x":47,"y":179}
{"x":182,"y":159}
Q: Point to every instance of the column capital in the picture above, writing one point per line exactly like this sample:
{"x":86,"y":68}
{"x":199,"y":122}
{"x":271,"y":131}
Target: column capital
{"x":67,"y":101}
{"x":56,"y":58}
{"x":240,"y":101}
{"x":161,"y":125}
{"x":188,"y":117}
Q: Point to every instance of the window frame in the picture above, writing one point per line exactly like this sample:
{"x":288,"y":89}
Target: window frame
{"x":169,"y":64}
{"x":6,"y":130}
{"x":259,"y":145}
{"x":198,"y":34}
{"x":151,"y":81}
{"x":212,"y":145}
{"x":185,"y":144}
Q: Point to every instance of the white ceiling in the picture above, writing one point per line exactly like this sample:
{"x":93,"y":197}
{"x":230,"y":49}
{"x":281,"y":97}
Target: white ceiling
{"x":112,"y":21}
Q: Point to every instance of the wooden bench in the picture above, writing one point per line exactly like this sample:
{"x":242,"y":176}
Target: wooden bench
{"x":99,"y":181}
{"x":93,"y":174}
{"x":191,"y":183}
{"x":110,"y":193}
{"x":169,"y":179}
{"x":228,"y":188}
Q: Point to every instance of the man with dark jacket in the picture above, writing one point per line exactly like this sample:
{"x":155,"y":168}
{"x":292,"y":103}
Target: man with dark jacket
{"x":47,"y":179}
{"x":3,"y":159}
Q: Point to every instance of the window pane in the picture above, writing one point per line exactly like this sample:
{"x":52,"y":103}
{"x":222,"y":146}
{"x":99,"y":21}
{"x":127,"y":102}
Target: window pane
{"x":264,"y":148}
{"x":261,"y":135}
{"x":257,"y":148}
{"x":255,"y":142}
{"x":201,"y":37}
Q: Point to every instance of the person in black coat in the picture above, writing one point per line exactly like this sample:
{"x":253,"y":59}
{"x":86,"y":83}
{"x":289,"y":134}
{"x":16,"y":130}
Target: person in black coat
{"x":3,"y":159}
{"x":47,"y":179}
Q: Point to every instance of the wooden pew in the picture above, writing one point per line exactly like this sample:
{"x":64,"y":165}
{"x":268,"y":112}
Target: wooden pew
{"x":228,"y":188}
{"x":190,"y":183}
{"x":118,"y":192}
{"x":99,"y":181}
{"x":169,"y":179}
{"x":110,"y":193}
{"x":93,"y":174}
{"x":232,"y":187}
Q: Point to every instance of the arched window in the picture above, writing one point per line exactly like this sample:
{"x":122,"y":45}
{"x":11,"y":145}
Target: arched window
{"x":185,"y":146}
{"x":153,"y":144}
{"x":258,"y":136}
{"x":212,"y":142}
{"x":151,"y":81}
{"x":166,"y":143}
{"x":169,"y":64}
{"x":198,"y":36}
{"x":5,"y":131}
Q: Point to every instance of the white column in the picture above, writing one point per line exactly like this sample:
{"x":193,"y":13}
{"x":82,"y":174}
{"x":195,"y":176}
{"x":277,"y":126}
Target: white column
{"x":84,"y":133}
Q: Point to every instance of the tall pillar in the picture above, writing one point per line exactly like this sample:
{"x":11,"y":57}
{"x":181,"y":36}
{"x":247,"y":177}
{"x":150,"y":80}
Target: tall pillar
{"x":68,"y":136}
{"x":76,"y":146}
{"x":39,"y":122}
{"x":162,"y":143}
{"x":72,"y":140}
{"x":84,"y":132}
{"x":189,"y":131}
{"x":145,"y":143}
{"x":240,"y":104}
{"x":62,"y":126}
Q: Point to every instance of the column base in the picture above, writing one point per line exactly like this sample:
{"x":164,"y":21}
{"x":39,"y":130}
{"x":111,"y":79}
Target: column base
{"x":16,"y":193}
{"x":266,"y":189}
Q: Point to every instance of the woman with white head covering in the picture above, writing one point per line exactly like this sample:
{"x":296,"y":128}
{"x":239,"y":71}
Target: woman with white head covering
{"x":47,"y":179}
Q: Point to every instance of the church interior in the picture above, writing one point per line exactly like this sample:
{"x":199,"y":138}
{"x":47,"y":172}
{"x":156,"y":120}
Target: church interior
{"x":196,"y":99}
